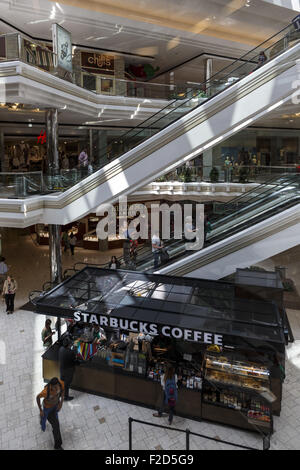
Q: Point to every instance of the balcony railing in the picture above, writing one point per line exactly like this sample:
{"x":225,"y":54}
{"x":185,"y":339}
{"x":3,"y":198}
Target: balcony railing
{"x":14,"y":46}
{"x":22,"y":185}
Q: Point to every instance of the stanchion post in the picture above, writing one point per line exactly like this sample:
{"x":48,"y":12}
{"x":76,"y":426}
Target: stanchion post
{"x":130,"y":432}
{"x":266,"y":442}
{"x":187,"y":437}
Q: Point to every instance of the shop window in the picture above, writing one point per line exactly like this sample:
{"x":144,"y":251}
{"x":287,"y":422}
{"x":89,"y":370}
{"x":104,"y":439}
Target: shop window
{"x":89,"y":82}
{"x":107,"y":86}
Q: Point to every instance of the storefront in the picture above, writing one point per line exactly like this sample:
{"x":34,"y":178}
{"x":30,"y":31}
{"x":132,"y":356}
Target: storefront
{"x":259,"y":150}
{"x":228,"y":351}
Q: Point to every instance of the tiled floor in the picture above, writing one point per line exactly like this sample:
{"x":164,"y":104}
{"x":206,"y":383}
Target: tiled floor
{"x":91,"y":422}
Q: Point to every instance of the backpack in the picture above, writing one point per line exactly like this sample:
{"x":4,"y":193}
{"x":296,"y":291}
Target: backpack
{"x":171,"y":392}
{"x":164,"y":256}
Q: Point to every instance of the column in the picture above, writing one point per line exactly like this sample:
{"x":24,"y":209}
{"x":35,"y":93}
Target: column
{"x":91,"y":153}
{"x":208,"y":74}
{"x":55,"y":253}
{"x":55,"y":261}
{"x":207,"y":164}
{"x":52,"y":141}
{"x":52,"y":168}
{"x":2,"y":151}
{"x":101,"y":148}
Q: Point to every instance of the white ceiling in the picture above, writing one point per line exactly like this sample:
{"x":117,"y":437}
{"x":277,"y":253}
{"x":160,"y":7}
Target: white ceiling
{"x":171,"y":31}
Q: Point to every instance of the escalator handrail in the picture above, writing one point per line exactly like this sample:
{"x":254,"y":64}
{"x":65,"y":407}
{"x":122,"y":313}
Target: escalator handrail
{"x":127,"y":136}
{"x":266,"y":184}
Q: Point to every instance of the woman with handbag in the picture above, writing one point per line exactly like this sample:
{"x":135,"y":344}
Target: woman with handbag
{"x":9,"y":291}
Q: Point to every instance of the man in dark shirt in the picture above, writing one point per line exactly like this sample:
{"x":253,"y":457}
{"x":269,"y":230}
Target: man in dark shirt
{"x":67,"y":362}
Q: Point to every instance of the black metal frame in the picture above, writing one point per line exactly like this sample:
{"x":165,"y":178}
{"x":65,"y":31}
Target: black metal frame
{"x":266,"y":438}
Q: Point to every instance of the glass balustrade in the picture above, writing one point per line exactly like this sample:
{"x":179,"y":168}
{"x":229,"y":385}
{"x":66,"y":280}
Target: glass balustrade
{"x":18,"y":47}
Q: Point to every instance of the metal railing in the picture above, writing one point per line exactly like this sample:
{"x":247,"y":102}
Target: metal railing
{"x":188,"y":433}
{"x":235,"y":174}
{"x":19,"y":47}
{"x":175,"y":109}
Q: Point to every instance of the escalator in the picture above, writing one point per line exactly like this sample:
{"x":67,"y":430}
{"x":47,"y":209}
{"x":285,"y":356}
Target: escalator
{"x":232,"y":99}
{"x":268,"y":215}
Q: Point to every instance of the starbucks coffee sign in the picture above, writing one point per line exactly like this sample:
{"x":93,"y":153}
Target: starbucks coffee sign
{"x":150,"y":328}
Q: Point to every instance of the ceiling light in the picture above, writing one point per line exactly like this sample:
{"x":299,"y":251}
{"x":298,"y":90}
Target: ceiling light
{"x":37,"y":21}
{"x":59,"y":7}
{"x":52,"y":14}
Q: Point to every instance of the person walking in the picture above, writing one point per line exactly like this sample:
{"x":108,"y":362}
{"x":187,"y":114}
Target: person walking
{"x":72,"y":243}
{"x":65,"y":239}
{"x":67,"y":362}
{"x":83,"y":162}
{"x":47,"y":334}
{"x":9,"y":291}
{"x":53,"y":395}
{"x":169,"y":385}
{"x":3,"y":270}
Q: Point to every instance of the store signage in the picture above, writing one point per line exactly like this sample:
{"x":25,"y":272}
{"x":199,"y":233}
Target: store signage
{"x":150,"y":328}
{"x":42,"y":138}
{"x":97,"y":62}
{"x":62,"y":47}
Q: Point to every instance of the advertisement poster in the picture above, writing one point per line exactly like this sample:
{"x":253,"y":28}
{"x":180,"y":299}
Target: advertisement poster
{"x":62,"y":47}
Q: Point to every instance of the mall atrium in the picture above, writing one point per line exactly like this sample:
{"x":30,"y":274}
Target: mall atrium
{"x":149,"y":225}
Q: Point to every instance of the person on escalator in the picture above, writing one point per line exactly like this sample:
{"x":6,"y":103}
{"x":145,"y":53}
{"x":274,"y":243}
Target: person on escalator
{"x":114,"y":263}
{"x":262,"y":59}
{"x":207,"y":227}
{"x":164,"y":255}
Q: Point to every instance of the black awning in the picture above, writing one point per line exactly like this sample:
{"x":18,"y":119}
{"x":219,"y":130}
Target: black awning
{"x":186,"y":303}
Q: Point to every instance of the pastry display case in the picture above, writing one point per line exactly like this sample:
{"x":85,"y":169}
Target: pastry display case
{"x":239,"y":374}
{"x":239,"y":390}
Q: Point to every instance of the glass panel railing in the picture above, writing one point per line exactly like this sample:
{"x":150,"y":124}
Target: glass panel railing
{"x":222,"y":80}
{"x":18,"y":47}
{"x":190,"y":99}
{"x":263,"y":190}
{"x":238,"y":174}
{"x":20,"y":185}
{"x":275,"y":199}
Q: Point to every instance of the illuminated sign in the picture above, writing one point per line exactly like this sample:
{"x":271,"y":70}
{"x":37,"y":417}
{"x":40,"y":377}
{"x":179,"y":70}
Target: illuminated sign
{"x":42,"y":138}
{"x":97,"y":62}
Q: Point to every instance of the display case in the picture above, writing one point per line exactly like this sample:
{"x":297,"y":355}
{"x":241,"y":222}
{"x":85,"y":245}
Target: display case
{"x":237,"y":386}
{"x":238,"y":374}
{"x":42,"y":235}
{"x":90,"y":241}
